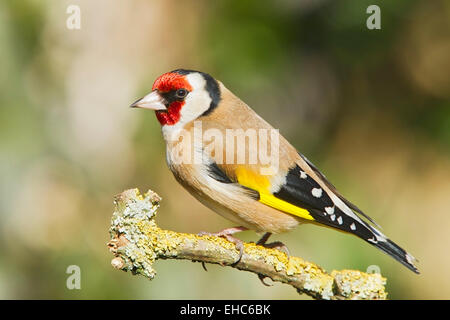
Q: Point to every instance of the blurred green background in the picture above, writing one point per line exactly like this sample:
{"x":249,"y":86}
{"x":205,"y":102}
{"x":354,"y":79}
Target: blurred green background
{"x":371,"y":108}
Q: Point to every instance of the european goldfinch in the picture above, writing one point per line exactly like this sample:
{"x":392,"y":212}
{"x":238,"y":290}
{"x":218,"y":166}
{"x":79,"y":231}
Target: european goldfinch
{"x":201,"y":121}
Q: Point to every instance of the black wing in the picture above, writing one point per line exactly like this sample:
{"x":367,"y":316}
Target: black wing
{"x":336,"y":192}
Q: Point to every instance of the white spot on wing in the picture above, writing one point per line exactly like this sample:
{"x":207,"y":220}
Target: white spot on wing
{"x":410,"y":258}
{"x":352,"y":226}
{"x":339,"y":219}
{"x":332,"y":217}
{"x":303,"y":175}
{"x":344,"y":208}
{"x":317,"y":192}
{"x":329,"y":210}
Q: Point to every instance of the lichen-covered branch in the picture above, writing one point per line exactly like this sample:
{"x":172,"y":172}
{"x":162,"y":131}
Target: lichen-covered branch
{"x":137,"y":242}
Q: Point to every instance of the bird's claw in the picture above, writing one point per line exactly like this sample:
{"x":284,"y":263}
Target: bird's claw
{"x":273,"y":245}
{"x":227,"y":234}
{"x":279,"y":246}
{"x":261,"y":278}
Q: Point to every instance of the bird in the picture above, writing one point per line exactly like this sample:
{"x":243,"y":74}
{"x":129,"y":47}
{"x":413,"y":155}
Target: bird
{"x":269,"y":197}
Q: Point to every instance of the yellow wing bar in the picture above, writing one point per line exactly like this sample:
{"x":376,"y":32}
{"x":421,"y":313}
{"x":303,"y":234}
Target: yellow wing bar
{"x":261,"y":184}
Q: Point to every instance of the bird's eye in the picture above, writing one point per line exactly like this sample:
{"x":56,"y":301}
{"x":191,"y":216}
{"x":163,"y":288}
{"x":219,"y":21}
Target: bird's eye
{"x":181,"y":93}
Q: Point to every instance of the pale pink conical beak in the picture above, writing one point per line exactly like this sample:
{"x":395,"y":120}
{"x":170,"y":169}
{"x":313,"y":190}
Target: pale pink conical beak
{"x":152,"y":101}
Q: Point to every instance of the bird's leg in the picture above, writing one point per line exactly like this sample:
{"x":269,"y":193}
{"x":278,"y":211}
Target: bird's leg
{"x":263,"y":239}
{"x":273,"y":245}
{"x":228,"y":234}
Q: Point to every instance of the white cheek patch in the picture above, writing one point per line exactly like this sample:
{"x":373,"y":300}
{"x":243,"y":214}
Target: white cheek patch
{"x":197,"y":101}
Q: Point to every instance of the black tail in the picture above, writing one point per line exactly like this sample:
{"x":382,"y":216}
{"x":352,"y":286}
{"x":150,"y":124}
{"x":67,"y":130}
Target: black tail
{"x":397,"y":253}
{"x":341,"y":221}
